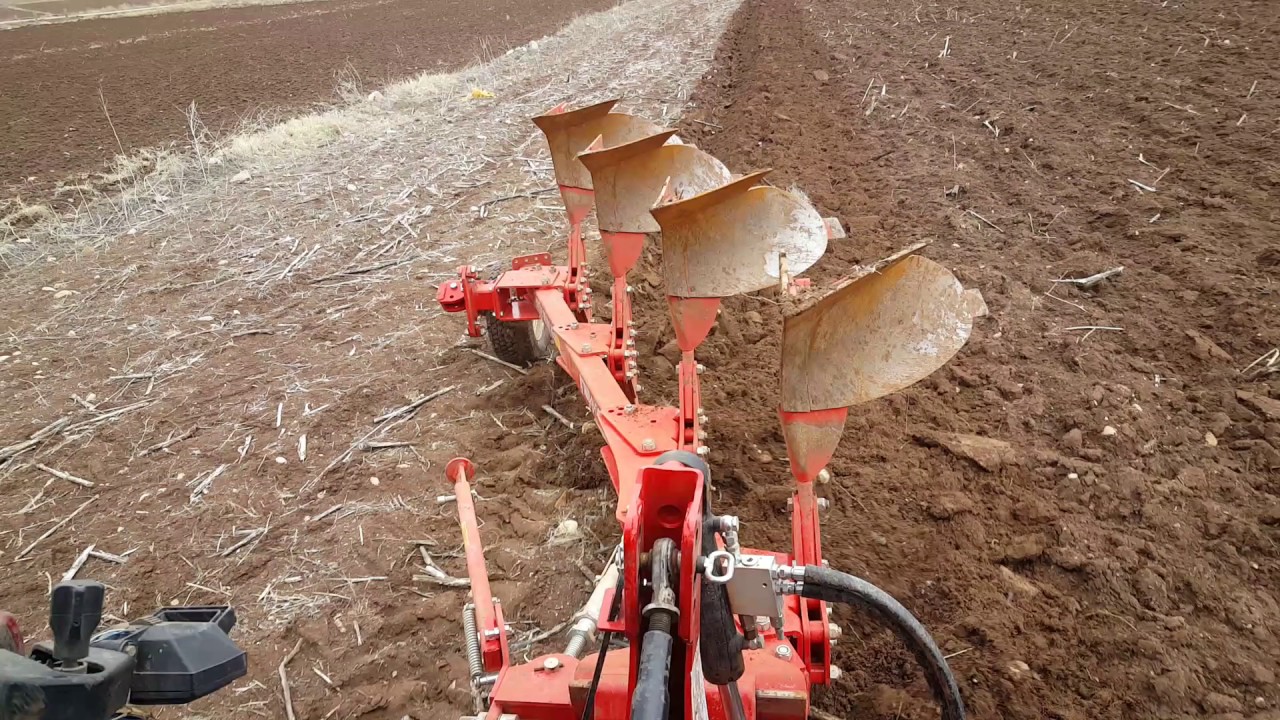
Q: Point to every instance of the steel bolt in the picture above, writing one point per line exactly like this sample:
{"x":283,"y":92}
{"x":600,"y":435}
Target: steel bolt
{"x":631,"y":323}
{"x":631,"y":343}
{"x":702,"y":419}
{"x":824,"y":475}
{"x":703,"y":450}
{"x":648,"y":445}
{"x":629,"y":409}
{"x":554,"y":664}
{"x":453,"y":286}
{"x":586,"y":347}
{"x":783,"y":651}
{"x":747,"y":560}
{"x":823,"y":503}
{"x":836,"y":673}
{"x":573,"y":325}
{"x":638,"y":387}
{"x":700,"y":367}
{"x":630,"y":290}
{"x":702,"y":434}
{"x":834,"y":630}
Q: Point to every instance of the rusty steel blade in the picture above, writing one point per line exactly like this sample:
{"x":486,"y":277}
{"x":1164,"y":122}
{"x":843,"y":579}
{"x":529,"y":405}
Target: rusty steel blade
{"x":874,"y":336}
{"x":737,"y":238}
{"x":570,"y":132}
{"x":629,"y":178}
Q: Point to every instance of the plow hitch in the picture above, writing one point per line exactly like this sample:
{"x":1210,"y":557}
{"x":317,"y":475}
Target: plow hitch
{"x":709,"y":628}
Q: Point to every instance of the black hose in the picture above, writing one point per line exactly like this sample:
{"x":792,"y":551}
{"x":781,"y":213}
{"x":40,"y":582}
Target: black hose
{"x":650,"y":699}
{"x":833,"y":586}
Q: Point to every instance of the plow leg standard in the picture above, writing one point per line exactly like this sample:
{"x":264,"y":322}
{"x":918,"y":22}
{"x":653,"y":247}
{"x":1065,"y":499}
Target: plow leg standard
{"x":690,"y":623}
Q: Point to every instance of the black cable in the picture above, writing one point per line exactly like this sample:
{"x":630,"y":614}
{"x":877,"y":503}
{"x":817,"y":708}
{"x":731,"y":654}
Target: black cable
{"x":833,"y":586}
{"x":589,"y":711}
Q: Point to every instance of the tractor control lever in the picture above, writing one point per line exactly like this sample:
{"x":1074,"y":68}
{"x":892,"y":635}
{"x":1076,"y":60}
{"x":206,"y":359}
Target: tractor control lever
{"x":74,"y":613}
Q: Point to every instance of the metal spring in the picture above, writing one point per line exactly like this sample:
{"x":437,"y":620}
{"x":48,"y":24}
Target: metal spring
{"x":473,"y":640}
{"x":577,"y":643}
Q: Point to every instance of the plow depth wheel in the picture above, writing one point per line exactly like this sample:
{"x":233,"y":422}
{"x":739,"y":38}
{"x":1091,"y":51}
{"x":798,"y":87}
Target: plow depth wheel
{"x":521,"y":343}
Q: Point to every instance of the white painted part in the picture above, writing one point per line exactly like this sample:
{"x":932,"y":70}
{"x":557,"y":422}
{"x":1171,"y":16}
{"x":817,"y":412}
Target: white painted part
{"x":698,"y":688}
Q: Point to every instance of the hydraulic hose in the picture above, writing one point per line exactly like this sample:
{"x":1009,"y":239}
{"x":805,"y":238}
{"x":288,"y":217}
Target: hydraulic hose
{"x":830,"y":585}
{"x":651,"y":698}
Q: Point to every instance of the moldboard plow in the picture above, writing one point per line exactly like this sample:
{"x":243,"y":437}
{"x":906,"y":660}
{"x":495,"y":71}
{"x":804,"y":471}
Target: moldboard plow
{"x":710,"y":629}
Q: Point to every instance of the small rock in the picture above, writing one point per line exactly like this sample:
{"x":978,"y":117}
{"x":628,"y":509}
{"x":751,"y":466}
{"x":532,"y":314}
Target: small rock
{"x":63,"y":293}
{"x":374,"y":480}
{"x":1260,"y":702}
{"x":763,"y":457}
{"x":987,"y":453}
{"x":1219,"y":703}
{"x":1210,"y":439}
{"x":670,"y":351}
{"x":1073,"y":440}
{"x":1174,"y":622}
{"x":567,"y":531}
{"x":1265,"y":405}
{"x":1206,"y":349}
{"x":375,"y":96}
{"x":662,"y":367}
{"x":240,"y":177}
{"x":1067,"y":558}
{"x":753,"y":317}
{"x":1108,"y":431}
{"x":821,"y":75}
{"x":1018,"y":670}
{"x":1020,"y":584}
{"x":1218,"y":423}
{"x":948,"y":505}
{"x":1025,"y":547}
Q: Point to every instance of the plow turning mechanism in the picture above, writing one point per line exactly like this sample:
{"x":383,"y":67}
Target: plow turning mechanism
{"x":690,"y":623}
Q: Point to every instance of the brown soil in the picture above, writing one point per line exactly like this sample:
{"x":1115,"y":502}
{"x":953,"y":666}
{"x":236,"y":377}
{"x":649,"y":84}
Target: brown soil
{"x":234,"y":64}
{"x":1133,"y":573}
{"x":1126,"y":556}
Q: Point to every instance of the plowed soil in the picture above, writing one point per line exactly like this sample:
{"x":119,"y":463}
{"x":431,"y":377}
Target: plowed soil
{"x":1110,"y":551}
{"x":233,"y":64}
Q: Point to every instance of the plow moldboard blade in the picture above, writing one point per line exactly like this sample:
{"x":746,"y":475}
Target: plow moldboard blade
{"x":629,"y":179}
{"x":733,"y":239}
{"x":570,"y":132}
{"x":876,"y":335}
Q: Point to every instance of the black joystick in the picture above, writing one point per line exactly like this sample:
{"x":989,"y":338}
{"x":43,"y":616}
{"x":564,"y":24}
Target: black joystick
{"x":74,"y":614}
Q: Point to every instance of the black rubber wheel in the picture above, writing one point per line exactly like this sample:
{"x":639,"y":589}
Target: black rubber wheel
{"x":519,"y":343}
